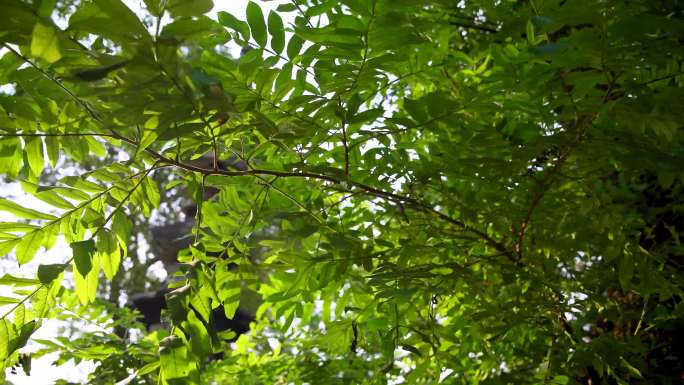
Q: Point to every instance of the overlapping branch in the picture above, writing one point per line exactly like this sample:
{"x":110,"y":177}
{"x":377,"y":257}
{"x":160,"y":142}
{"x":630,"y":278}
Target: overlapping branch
{"x":351,"y":185}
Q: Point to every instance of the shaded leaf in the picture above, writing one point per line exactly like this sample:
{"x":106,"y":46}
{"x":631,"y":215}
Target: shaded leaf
{"x":277,"y":31}
{"x":48,"y":273}
{"x":255,"y":19}
{"x":83,"y":252}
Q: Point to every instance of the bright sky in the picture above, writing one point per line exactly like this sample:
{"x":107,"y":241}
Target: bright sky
{"x":42,"y":372}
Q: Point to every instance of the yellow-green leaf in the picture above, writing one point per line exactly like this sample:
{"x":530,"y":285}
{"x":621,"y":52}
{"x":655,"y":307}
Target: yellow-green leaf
{"x":52,"y":146}
{"x":108,"y":250}
{"x":86,"y":286}
{"x":44,"y":299}
{"x":52,"y":198}
{"x":11,"y":280}
{"x":45,"y":44}
{"x":7,"y":246}
{"x":34,"y":155}
{"x":22,"y":212}
{"x":5,"y":335}
{"x":28,"y":246}
{"x":8,"y":300}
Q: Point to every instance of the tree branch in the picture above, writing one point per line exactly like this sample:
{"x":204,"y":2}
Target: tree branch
{"x":366,"y":189}
{"x":542,"y":186}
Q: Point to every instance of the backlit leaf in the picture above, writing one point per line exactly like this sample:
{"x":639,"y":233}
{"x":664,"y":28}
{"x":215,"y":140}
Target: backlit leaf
{"x":29,"y":245}
{"x":34,"y":154}
{"x":108,"y":249}
{"x":86,"y":285}
{"x":22,"y":212}
{"x":45,"y":44}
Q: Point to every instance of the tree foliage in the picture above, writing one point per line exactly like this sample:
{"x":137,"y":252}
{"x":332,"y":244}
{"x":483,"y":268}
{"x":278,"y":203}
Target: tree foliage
{"x":435,"y":191}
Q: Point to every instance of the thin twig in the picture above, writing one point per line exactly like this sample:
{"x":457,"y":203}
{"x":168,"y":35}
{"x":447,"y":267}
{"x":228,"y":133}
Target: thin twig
{"x":301,"y":11}
{"x":542,"y":187}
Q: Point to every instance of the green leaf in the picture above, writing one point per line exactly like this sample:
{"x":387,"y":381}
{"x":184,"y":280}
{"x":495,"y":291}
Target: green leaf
{"x":294,"y":46}
{"x":46,"y":7}
{"x":151,"y":192}
{"x":5,"y":236}
{"x":11,"y":280}
{"x":48,"y":273}
{"x":321,"y":8}
{"x":287,"y":7}
{"x":110,"y":19}
{"x":82,"y":184}
{"x":255,"y":19}
{"x":86,"y":284}
{"x":201,"y":304}
{"x":43,"y":300}
{"x":83,"y":253}
{"x":632,"y":370}
{"x":34,"y":155}
{"x":7,"y":246}
{"x":22,"y":212}
{"x":529,"y":31}
{"x":5,"y":336}
{"x":48,"y":195}
{"x":29,"y":245}
{"x":148,"y":368}
{"x":277,"y":31}
{"x":10,"y":156}
{"x":149,"y":136}
{"x":367,"y":116}
{"x":8,"y":300}
{"x":17,"y":227}
{"x":154,"y":7}
{"x":52,"y":198}
{"x":233,"y":23}
{"x":200,"y":343}
{"x":110,"y":257}
{"x":187,"y":8}
{"x":45,"y":44}
{"x":121,"y":227}
{"x":199,"y":29}
{"x":22,"y":338}
{"x":174,"y":359}
{"x":19,"y":316}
